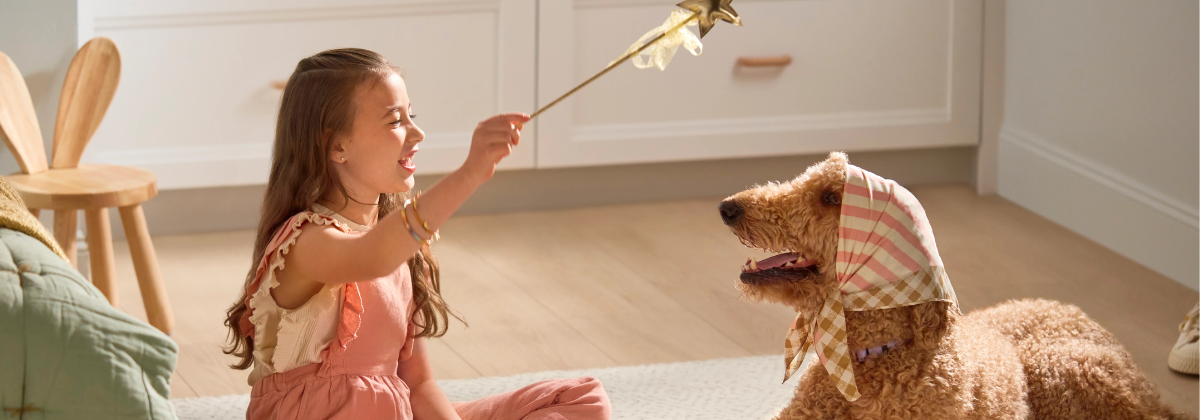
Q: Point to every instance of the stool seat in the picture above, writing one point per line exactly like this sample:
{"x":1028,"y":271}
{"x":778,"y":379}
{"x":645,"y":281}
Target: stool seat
{"x":85,"y":187}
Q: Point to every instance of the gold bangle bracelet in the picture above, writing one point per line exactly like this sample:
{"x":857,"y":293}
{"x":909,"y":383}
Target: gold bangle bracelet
{"x":404,"y":216}
{"x":424,"y":225}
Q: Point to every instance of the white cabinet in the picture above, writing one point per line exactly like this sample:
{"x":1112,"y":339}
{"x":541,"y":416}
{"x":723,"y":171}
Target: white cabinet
{"x":196,"y":106}
{"x":866,"y":75}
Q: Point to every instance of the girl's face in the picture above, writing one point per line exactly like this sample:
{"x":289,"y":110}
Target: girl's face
{"x":376,"y":155}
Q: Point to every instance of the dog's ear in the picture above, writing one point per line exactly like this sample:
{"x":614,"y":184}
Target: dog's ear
{"x":931,"y":321}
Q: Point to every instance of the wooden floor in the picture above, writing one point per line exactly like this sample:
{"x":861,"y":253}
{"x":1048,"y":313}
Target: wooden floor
{"x":653,"y":283}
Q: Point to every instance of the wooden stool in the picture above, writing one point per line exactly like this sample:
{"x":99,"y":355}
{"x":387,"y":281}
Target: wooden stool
{"x":66,"y":186}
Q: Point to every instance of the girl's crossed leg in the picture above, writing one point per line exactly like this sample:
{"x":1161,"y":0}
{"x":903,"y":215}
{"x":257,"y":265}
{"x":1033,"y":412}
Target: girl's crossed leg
{"x":556,"y":399}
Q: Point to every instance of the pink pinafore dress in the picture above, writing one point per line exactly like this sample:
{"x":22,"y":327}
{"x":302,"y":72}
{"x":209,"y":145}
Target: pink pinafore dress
{"x":356,"y":377}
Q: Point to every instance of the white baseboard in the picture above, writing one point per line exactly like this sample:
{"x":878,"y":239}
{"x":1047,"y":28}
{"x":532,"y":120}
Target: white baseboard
{"x":1102,"y":204}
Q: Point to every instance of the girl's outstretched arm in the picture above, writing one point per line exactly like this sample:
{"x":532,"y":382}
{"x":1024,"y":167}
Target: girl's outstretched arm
{"x":326,"y":255}
{"x":427,"y":399}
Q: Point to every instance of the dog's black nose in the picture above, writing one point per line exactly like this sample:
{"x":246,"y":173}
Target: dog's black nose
{"x":731,"y":212}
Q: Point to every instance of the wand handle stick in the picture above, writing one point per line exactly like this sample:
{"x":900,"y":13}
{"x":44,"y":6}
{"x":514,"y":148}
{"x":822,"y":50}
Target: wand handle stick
{"x":614,"y":64}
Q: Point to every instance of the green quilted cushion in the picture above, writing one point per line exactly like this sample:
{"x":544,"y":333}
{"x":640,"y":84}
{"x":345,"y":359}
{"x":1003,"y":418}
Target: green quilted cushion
{"x":65,"y":353}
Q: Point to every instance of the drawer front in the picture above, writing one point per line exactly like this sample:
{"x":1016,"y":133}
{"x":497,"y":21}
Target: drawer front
{"x":863,"y":75}
{"x":196,"y":103}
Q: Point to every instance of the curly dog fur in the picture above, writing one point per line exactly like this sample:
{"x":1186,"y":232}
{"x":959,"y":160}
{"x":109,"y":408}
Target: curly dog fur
{"x":1028,"y":359}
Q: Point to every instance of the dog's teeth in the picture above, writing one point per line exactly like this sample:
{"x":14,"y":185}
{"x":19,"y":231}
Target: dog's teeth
{"x":753,"y":265}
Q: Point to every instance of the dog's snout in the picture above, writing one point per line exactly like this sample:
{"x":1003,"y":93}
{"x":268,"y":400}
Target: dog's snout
{"x":731,"y":212}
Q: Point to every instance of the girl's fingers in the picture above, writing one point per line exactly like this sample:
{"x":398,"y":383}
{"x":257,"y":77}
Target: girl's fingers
{"x":507,"y":135}
{"x":511,"y":118}
{"x":501,"y":136}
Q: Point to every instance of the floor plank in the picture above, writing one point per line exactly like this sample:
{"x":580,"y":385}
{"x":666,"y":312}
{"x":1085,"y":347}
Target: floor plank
{"x":447,"y":363}
{"x":650,"y":283}
{"x":510,"y":331}
{"x":180,"y":387}
{"x":656,"y":337}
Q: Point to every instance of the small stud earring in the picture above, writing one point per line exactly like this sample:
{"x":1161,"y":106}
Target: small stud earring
{"x":343,"y":159}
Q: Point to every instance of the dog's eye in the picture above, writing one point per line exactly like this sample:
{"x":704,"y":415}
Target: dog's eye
{"x":831,"y":198}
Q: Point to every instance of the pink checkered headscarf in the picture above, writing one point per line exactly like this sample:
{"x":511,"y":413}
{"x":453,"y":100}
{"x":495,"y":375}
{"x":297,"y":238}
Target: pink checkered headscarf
{"x":886,"y":258}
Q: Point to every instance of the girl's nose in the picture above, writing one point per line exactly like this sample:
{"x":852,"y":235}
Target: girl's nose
{"x":416,"y":134}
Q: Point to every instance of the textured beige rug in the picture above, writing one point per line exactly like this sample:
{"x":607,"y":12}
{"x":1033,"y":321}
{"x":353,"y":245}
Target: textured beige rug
{"x":741,"y":388}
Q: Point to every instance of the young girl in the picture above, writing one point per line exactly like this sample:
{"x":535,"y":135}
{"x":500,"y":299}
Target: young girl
{"x":345,"y":290}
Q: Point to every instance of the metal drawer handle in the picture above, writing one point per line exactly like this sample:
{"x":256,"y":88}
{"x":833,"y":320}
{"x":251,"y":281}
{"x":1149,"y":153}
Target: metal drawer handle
{"x":768,"y":61}
{"x":278,"y":84}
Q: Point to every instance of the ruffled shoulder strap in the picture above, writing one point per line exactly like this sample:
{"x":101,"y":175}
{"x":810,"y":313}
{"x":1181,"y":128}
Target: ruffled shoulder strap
{"x":272,"y":257}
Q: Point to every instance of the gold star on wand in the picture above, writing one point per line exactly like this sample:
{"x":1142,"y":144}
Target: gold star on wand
{"x":704,"y":12}
{"x":710,"y":11}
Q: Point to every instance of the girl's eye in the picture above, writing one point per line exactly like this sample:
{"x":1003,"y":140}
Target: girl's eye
{"x":401,"y":121}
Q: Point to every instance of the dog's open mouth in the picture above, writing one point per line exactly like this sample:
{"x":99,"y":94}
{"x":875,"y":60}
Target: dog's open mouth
{"x":785,"y":266}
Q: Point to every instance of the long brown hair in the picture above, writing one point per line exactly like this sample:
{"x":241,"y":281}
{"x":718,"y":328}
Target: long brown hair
{"x":318,"y":105}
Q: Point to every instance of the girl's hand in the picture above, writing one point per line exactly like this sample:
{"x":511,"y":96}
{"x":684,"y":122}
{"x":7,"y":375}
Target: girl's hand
{"x":493,"y":140}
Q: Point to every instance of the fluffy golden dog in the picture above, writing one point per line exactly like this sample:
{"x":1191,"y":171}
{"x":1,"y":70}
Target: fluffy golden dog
{"x":1029,"y":359}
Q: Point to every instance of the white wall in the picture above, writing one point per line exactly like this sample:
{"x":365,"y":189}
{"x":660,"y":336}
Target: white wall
{"x":1100,"y":127}
{"x":40,"y":37}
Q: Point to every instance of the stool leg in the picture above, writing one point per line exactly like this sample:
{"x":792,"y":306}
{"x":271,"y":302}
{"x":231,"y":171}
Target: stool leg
{"x":64,"y":233}
{"x":100,"y":253}
{"x":145,"y":264}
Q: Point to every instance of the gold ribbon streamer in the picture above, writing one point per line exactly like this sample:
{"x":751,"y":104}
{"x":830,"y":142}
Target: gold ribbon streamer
{"x":673,"y":36}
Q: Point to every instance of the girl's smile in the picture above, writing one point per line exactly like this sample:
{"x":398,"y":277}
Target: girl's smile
{"x":406,"y":162}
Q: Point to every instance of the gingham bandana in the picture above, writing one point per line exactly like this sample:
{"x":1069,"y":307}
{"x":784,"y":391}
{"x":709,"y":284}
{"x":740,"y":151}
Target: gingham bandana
{"x":886,"y":258}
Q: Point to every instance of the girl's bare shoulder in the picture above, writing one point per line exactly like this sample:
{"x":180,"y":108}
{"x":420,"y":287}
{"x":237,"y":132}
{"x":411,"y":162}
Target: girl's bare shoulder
{"x":315,"y":235}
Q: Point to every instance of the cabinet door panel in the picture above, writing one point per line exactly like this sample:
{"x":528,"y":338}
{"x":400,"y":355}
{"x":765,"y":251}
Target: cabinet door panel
{"x":864,"y":75}
{"x":196,"y":104}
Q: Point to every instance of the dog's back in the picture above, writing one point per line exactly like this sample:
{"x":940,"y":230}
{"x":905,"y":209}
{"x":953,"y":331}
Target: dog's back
{"x":1075,"y":368}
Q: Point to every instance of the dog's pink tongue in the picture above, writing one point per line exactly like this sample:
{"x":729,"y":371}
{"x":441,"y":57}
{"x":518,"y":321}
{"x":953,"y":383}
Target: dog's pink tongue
{"x":778,"y":260}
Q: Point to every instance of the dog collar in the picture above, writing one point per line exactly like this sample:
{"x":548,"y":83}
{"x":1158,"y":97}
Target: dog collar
{"x":864,"y":354}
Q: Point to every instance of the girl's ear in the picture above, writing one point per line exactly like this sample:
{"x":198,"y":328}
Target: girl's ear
{"x":337,"y":151}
